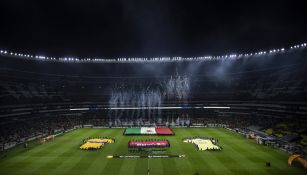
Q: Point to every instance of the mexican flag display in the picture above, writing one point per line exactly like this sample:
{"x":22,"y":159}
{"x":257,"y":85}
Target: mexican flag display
{"x":148,"y":131}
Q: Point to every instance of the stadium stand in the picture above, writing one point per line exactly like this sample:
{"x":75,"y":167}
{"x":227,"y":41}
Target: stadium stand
{"x":37,"y":97}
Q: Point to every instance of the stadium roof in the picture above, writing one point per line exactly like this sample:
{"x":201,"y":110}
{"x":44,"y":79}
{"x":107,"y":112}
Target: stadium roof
{"x":151,"y":28}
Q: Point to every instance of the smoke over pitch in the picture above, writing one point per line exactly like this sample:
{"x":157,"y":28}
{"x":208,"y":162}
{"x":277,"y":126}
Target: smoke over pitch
{"x":146,"y":95}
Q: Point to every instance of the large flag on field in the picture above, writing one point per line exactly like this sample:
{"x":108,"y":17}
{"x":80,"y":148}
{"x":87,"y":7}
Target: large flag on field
{"x":148,"y":131}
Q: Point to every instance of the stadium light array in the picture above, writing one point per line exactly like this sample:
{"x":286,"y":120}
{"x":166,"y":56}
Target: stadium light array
{"x":79,"y":109}
{"x":169,"y":107}
{"x":155,"y":107}
{"x":153,"y":59}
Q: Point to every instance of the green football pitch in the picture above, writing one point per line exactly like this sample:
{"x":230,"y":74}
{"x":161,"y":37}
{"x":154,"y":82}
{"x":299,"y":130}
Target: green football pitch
{"x":63,"y":156}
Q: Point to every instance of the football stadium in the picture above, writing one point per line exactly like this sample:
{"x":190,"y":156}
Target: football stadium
{"x":79,"y":97}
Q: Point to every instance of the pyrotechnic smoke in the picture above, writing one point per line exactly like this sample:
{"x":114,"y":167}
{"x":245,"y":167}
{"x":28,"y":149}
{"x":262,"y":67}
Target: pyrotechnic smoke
{"x":175,"y":88}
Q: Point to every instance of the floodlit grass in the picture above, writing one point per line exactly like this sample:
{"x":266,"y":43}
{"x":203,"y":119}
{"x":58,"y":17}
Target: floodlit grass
{"x":63,"y":156}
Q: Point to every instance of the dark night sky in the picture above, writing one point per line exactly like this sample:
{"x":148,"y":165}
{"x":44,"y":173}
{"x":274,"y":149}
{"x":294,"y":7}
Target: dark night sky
{"x":149,"y":28}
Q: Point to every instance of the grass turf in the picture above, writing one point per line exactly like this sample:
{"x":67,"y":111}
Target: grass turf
{"x":63,"y":156}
